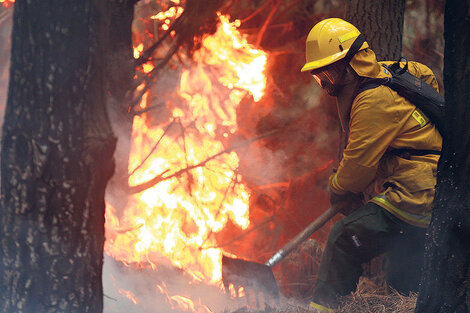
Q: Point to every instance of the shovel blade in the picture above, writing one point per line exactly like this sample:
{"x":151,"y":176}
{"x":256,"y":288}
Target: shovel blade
{"x":257,"y":279}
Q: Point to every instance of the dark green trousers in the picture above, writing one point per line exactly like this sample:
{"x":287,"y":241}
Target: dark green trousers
{"x":361,"y":236}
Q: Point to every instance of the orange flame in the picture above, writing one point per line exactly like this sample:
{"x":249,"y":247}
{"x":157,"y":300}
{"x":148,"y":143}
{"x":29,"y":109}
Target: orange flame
{"x":129,"y":295}
{"x":7,"y":3}
{"x":165,"y":17}
{"x":177,"y":218}
{"x":179,"y":302}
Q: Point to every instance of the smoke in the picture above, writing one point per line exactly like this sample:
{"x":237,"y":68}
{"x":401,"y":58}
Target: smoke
{"x":162,"y":289}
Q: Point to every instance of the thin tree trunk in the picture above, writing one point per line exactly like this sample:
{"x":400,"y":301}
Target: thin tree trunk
{"x":382,"y":24}
{"x":120,"y":83}
{"x":445,"y":283}
{"x":57,"y":148}
{"x":6,"y":21}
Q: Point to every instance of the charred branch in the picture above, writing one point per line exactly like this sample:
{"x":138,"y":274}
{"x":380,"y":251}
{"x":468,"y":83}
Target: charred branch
{"x":256,"y":12}
{"x":256,"y":227}
{"x":151,"y":76}
{"x":266,"y":23}
{"x":147,"y":54}
{"x":153,"y":149}
{"x":159,"y":178}
{"x":150,"y":108}
{"x":231,"y":186}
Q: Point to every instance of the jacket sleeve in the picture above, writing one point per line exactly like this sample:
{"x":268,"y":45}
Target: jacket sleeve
{"x":376,"y":120}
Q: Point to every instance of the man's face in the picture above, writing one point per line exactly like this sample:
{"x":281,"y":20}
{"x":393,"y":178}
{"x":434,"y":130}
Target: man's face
{"x":331,"y":77}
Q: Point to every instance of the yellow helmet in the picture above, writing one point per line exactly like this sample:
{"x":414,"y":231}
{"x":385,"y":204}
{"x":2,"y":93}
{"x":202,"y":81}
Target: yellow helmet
{"x":329,"y":41}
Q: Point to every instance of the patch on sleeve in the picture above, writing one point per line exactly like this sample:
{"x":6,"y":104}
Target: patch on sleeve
{"x":420,"y":118}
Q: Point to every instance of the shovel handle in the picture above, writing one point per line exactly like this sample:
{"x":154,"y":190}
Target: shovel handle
{"x":302,"y":236}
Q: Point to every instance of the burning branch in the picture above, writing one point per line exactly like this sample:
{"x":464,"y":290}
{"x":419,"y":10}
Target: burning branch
{"x":153,"y":107}
{"x":256,"y":12}
{"x":148,"y":53}
{"x":183,"y":136}
{"x":153,"y":149}
{"x":230,"y":186}
{"x":159,"y":178}
{"x":150,"y":76}
{"x":266,"y":221}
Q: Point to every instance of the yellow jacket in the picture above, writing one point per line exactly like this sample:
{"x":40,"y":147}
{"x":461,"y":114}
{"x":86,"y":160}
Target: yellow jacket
{"x":380,"y":121}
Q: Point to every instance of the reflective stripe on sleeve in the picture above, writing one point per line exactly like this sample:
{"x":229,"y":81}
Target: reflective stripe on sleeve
{"x":320,"y":307}
{"x":335,"y":186}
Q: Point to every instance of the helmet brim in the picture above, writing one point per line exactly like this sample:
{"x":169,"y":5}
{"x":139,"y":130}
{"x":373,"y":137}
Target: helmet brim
{"x":328,"y":60}
{"x":323,"y":62}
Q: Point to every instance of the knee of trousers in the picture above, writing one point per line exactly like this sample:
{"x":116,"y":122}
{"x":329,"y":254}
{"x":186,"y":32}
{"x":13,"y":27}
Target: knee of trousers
{"x":337,"y":233}
{"x":342,"y":237}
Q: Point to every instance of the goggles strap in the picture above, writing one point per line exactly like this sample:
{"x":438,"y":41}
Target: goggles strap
{"x":357,"y":44}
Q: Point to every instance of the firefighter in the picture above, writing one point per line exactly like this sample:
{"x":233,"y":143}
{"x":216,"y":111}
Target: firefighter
{"x":391,"y":145}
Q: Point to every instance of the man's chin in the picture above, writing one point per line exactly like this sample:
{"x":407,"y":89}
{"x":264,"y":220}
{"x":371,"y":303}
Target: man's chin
{"x":332,"y":90}
{"x":335,"y":91}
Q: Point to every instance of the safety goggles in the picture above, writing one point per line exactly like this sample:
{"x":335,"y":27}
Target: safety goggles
{"x":330,"y":75}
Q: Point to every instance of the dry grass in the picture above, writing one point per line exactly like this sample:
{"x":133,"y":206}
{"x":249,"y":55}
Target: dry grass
{"x":370,"y":298}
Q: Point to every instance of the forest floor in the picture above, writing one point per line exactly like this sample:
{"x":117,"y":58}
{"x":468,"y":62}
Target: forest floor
{"x":368,"y":298}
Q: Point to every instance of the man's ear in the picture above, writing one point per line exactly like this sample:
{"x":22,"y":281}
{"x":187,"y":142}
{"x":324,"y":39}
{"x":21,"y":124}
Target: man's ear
{"x":350,"y":77}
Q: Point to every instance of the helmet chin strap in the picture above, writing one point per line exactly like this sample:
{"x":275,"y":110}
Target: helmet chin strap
{"x":356,"y":45}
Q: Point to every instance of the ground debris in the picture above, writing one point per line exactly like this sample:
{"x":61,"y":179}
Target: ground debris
{"x":368,"y":298}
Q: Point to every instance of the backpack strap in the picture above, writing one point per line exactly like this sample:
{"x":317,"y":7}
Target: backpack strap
{"x":371,"y":83}
{"x":406,"y":152}
{"x":395,"y":68}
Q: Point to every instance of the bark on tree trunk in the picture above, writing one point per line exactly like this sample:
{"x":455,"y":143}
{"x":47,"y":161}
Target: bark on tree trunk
{"x":57,"y":148}
{"x":445,"y":283}
{"x":382,"y":24}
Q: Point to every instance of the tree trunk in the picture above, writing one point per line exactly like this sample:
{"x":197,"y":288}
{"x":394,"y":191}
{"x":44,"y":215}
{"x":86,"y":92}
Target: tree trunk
{"x":120,"y":83}
{"x":381,"y":22}
{"x":56,"y":159}
{"x":6,"y":20}
{"x":445,"y":283}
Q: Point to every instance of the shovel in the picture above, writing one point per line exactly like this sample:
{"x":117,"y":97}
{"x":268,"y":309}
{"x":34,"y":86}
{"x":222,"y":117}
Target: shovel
{"x":257,"y":278}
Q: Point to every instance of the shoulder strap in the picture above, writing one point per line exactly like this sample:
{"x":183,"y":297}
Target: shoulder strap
{"x":406,"y":152}
{"x":371,"y":83}
{"x":395,"y":68}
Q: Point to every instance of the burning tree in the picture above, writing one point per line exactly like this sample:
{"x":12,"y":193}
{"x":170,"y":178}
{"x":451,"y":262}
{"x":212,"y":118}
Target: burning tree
{"x":222,"y":147}
{"x":192,"y":191}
